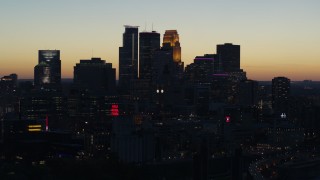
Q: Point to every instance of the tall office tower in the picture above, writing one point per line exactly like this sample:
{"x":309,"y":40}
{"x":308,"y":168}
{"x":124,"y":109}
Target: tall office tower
{"x":202,"y":68}
{"x":128,"y":58}
{"x":8,"y":94}
{"x":48,"y":70}
{"x":280,"y":95}
{"x":172,"y":37}
{"x":248,"y":93}
{"x":149,"y":43}
{"x":229,"y":58}
{"x":95,"y":74}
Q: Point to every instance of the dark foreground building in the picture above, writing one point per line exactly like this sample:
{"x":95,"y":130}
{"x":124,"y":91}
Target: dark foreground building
{"x":95,"y":74}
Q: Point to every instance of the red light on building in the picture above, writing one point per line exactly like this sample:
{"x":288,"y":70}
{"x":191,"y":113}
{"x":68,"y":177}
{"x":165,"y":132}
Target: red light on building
{"x":227,"y":119}
{"x":114,"y":110}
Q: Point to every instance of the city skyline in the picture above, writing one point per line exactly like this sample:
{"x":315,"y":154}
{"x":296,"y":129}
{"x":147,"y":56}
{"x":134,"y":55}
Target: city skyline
{"x":276,"y":38}
{"x":207,"y":89}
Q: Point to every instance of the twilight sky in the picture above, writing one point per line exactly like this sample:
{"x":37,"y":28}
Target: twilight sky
{"x":277,"y":37}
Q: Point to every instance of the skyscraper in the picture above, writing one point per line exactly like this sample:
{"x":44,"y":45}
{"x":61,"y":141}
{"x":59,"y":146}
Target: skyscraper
{"x":172,"y":37}
{"x":229,"y":58}
{"x":202,"y":68}
{"x":48,"y":70}
{"x":248,"y":90}
{"x":149,"y":43}
{"x":171,"y":41}
{"x":128,"y":58}
{"x":95,"y":74}
{"x":280,"y":95}
{"x":163,"y":65}
{"x":8,"y":92}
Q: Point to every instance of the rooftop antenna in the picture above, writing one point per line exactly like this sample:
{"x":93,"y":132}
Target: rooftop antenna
{"x":152,"y":27}
{"x":145,"y":26}
{"x":91,"y":53}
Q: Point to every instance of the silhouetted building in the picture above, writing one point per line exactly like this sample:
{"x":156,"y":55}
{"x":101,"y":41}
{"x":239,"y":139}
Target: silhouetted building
{"x":91,"y":111}
{"x":202,"y":97}
{"x":128,"y":58}
{"x":166,"y":75}
{"x":280,"y":95}
{"x":141,"y":95}
{"x":171,"y":39}
{"x":221,"y":88}
{"x":46,"y":101}
{"x":95,"y":74}
{"x":8,"y":94}
{"x":12,"y":124}
{"x":149,"y":43}
{"x":200,"y":161}
{"x":237,"y":164}
{"x":228,"y":62}
{"x":132,"y":142}
{"x":42,"y":103}
{"x":48,"y":70}
{"x":93,"y":101}
{"x":8,"y":84}
{"x":163,"y":65}
{"x":229,"y":57}
{"x":167,"y":65}
{"x":202,"y":68}
{"x":248,"y":93}
{"x":226,"y":86}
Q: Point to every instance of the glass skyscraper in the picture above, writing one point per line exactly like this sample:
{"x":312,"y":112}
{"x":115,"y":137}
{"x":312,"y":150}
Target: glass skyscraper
{"x":149,"y":43}
{"x":128,"y":58}
{"x":48,"y":70}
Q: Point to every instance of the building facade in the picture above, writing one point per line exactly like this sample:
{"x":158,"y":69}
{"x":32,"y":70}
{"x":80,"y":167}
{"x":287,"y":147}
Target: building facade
{"x":149,"y":43}
{"x":95,"y":74}
{"x":280,"y":95}
{"x":48,"y":69}
{"x":229,"y":58}
{"x":128,"y":58}
{"x":172,"y":37}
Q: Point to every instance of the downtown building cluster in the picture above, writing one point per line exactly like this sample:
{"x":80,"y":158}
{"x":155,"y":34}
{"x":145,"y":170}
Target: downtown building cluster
{"x":159,"y":111}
